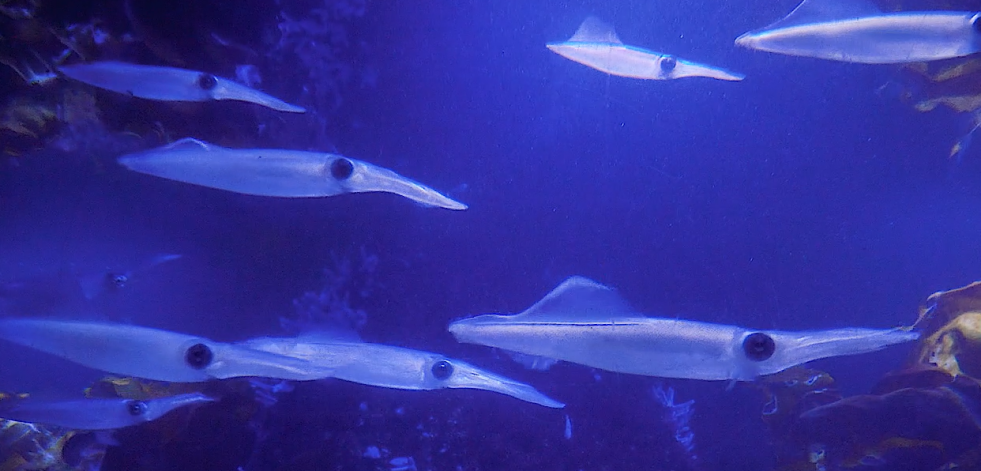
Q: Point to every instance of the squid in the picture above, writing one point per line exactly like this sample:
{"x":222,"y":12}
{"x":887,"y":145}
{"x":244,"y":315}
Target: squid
{"x":96,"y":414}
{"x":277,"y":172}
{"x":168,"y":84}
{"x":153,"y":354}
{"x":395,"y":367}
{"x":856,"y":31}
{"x":585,"y":322}
{"x":93,"y":285}
{"x":596,"y":45}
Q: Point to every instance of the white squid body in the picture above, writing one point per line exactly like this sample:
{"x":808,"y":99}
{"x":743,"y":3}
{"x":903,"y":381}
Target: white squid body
{"x":277,"y":172}
{"x":168,"y":84}
{"x":860,"y":33}
{"x":95,"y":414}
{"x":395,"y":367}
{"x":152,"y":353}
{"x":596,"y":45}
{"x":584,"y":322}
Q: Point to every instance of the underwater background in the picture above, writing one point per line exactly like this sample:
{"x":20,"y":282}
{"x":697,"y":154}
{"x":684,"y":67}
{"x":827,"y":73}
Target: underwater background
{"x":808,"y":196}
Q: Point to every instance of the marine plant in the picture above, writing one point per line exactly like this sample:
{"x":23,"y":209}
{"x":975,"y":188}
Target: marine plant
{"x":346,"y":285}
{"x":678,"y":416}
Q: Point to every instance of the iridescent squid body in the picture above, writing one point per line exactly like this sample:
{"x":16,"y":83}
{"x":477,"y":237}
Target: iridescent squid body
{"x":584,"y":322}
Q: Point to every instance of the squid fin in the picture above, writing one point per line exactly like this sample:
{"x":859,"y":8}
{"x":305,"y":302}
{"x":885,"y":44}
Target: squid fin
{"x":578,"y":299}
{"x":820,"y":11}
{"x":594,"y":30}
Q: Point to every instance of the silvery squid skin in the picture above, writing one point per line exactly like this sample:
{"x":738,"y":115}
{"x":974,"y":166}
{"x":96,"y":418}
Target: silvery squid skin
{"x":168,"y":84}
{"x":596,"y":45}
{"x":584,"y":322}
{"x":855,"y":31}
{"x":277,"y":172}
{"x":395,"y":367}
{"x":152,"y":353}
{"x":95,"y":414}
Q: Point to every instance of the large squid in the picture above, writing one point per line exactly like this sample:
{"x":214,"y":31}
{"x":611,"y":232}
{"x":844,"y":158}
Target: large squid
{"x":596,"y":45}
{"x":857,"y":31}
{"x":168,"y":84}
{"x":395,"y":367}
{"x":277,"y":172}
{"x":152,"y":353}
{"x":584,"y":322}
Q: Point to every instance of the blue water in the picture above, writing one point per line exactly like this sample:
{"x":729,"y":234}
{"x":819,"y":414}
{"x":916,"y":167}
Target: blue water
{"x":796,"y":199}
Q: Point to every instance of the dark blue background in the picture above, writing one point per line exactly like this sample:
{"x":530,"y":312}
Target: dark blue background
{"x":796,"y":199}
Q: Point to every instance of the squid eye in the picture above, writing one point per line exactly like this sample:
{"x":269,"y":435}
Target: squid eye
{"x":758,"y":346}
{"x":341,"y":169}
{"x":207,"y":81}
{"x":199,"y":356}
{"x":976,"y":23}
{"x":668,"y":63}
{"x":136,"y":408}
{"x":442,"y":370}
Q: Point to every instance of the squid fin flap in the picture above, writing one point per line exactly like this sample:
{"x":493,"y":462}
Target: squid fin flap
{"x":93,"y":284}
{"x":532,"y":362}
{"x":189,"y":143}
{"x":578,"y":299}
{"x":820,"y":11}
{"x":595,"y":30}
